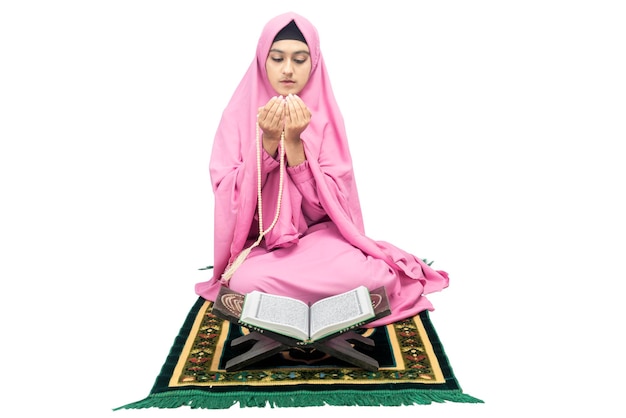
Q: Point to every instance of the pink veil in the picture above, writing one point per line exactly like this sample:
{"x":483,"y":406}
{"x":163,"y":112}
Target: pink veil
{"x":234,"y":172}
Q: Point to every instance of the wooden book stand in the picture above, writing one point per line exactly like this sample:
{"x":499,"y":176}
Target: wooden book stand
{"x":228,"y":305}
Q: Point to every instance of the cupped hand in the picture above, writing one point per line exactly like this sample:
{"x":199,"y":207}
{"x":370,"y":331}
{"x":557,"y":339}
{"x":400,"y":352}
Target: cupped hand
{"x":297,"y":117}
{"x":271,"y":118}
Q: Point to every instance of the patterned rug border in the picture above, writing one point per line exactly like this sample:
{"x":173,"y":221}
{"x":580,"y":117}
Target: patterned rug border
{"x":162,"y":395}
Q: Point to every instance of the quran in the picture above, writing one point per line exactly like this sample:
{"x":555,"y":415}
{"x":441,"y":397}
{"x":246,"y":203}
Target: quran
{"x":229,"y":305}
{"x":296,"y":319}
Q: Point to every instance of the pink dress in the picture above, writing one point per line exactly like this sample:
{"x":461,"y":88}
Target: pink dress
{"x":317,"y":247}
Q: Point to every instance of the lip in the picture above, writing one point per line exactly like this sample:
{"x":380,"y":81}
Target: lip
{"x":287,"y":82}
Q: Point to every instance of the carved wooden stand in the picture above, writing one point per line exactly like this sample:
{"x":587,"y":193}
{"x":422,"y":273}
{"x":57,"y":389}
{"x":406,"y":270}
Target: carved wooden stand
{"x":341,"y":347}
{"x":265,"y":344}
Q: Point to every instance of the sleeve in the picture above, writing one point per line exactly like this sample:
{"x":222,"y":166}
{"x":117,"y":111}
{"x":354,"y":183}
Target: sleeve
{"x":268,"y":164}
{"x":304,"y":181}
{"x":233,"y":169}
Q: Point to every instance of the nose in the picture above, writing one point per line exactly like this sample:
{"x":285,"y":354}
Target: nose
{"x":288,"y":67}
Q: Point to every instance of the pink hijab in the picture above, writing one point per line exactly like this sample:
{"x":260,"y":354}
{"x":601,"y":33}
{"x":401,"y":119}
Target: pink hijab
{"x":234,"y":172}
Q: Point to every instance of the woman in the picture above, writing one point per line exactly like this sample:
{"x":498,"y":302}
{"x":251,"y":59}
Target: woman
{"x":287,"y":213}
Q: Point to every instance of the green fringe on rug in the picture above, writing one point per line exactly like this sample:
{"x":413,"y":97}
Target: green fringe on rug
{"x":199,"y":399}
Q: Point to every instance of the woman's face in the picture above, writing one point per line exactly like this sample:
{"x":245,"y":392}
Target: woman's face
{"x":288,"y":66}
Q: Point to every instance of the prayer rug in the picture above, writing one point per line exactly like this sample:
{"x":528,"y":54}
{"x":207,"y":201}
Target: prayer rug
{"x":413,"y":369}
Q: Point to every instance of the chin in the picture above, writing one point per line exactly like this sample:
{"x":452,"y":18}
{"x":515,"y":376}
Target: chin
{"x":287,"y":91}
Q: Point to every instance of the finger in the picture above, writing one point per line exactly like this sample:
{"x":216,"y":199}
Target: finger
{"x":278,"y":110}
{"x":297,"y":108}
{"x":267,"y":112}
{"x":291,"y":106}
{"x":288,"y":113}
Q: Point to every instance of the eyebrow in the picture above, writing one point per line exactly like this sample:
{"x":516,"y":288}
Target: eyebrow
{"x":295,"y":52}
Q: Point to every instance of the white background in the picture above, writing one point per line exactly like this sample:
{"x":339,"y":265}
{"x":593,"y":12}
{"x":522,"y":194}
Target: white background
{"x":487,"y":136}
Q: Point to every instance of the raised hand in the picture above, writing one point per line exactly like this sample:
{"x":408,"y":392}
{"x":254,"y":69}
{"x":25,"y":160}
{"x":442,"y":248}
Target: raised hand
{"x":297,"y":118}
{"x":271,"y":119}
{"x":289,"y":114}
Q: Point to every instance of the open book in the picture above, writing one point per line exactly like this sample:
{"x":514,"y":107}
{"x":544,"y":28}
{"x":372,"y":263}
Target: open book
{"x":296,"y":320}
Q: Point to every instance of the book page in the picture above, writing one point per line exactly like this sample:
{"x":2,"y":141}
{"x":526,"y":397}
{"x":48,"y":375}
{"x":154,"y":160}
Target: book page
{"x":277,"y":313}
{"x":340,"y":311}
